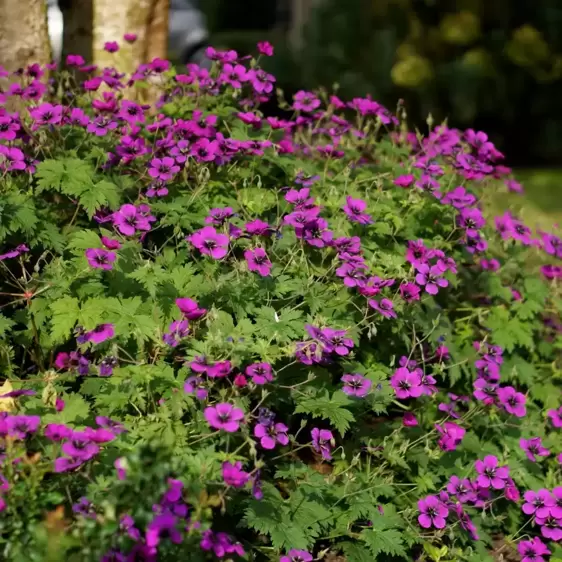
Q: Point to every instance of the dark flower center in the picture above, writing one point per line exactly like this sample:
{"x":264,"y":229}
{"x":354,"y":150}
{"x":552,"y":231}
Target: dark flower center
{"x":404,"y":385}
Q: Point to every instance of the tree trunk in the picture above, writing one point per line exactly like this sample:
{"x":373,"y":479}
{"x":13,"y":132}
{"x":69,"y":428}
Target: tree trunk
{"x":157,"y":43}
{"x":147,"y":19}
{"x":24,"y":35}
{"x":78,"y":29}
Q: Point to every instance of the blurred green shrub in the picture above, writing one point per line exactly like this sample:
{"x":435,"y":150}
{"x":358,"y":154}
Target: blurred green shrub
{"x":492,"y":65}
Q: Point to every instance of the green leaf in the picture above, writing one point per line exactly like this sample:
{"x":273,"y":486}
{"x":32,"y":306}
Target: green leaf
{"x":24,"y":217}
{"x":283,"y":326}
{"x":81,"y":240}
{"x":328,"y":408}
{"x":76,"y":408}
{"x":355,"y":552}
{"x":509,"y":332}
{"x":102,"y":194}
{"x":5,"y":325}
{"x":66,"y":312}
{"x":387,"y":541}
{"x":70,"y":176}
{"x":287,"y":536}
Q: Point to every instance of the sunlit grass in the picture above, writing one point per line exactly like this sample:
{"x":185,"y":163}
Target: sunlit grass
{"x":541,"y":204}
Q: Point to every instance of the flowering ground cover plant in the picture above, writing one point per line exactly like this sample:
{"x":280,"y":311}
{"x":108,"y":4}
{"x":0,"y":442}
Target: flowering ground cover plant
{"x":226,"y":336}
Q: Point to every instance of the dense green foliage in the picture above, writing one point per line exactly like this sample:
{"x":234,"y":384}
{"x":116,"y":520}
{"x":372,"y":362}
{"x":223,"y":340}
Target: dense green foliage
{"x":228,"y":336}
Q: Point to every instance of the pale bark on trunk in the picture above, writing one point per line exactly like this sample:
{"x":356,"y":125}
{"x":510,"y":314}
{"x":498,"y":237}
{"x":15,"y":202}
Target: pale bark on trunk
{"x":157,"y":34}
{"x":90,"y":24}
{"x":114,"y":18}
{"x":24,"y":35}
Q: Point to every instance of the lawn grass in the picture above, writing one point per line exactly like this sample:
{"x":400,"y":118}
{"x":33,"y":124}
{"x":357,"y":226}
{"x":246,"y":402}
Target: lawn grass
{"x":541,"y":204}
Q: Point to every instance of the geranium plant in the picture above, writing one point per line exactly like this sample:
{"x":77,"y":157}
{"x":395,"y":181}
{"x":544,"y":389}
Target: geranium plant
{"x":224,"y":335}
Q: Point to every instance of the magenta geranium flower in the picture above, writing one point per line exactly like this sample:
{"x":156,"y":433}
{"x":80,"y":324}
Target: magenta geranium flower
{"x":300,"y":198}
{"x":270,"y":434}
{"x":533,"y":550}
{"x":190,"y":309}
{"x":208,"y":241}
{"x":110,"y":243}
{"x":224,"y":416}
{"x":512,"y":401}
{"x":295,"y":555}
{"x":459,"y":198}
{"x":451,"y":435}
{"x":111,"y":46}
{"x":555,"y":417}
{"x":163,"y":168}
{"x":261,"y":373}
{"x":556,"y":509}
{"x":405,"y":180}
{"x":47,"y":114}
{"x":550,"y":527}
{"x":534,"y":448}
{"x":538,"y":503}
{"x":100,"y":333}
{"x":17,"y":251}
{"x":356,"y":385}
{"x":233,"y":74}
{"x":462,"y":489}
{"x":220,"y":369}
{"x":354,"y":209}
{"x":353,"y":274}
{"x":417,"y":253}
{"x":265,"y":48}
{"x":409,"y":420}
{"x":485,"y":391}
{"x":177,"y":330}
{"x":305,"y":101}
{"x":432,"y":513}
{"x":322,"y":442}
{"x":21,"y":426}
{"x":410,"y":292}
{"x":219,"y":215}
{"x":196,"y":385}
{"x":100,"y":259}
{"x":384,"y":307}
{"x":431,"y":277}
{"x":57,"y":432}
{"x":335,"y":341}
{"x":258,"y":228}
{"x":406,"y":384}
{"x":490,"y":475}
{"x":233,"y":475}
{"x":128,"y":219}
{"x":80,"y":446}
{"x":258,"y":261}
